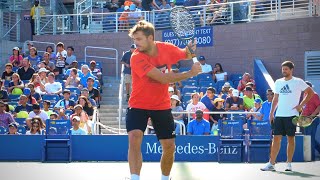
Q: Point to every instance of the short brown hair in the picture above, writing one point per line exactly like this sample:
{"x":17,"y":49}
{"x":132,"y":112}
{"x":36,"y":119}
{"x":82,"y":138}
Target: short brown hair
{"x":289,"y":64}
{"x":144,"y":26}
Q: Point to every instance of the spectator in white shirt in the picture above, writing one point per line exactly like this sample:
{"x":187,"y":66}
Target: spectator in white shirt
{"x":218,"y":73}
{"x":206,"y":68}
{"x":52,"y":87}
{"x":37,"y":112}
{"x":76,"y":130}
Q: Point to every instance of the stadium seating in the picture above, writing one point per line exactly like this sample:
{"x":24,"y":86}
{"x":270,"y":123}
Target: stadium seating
{"x":20,"y":121}
{"x":189,"y":83}
{"x":74,"y":90}
{"x":190,"y":89}
{"x":73,"y":97}
{"x":205,"y":77}
{"x":207,"y":83}
{"x":13,"y":97}
{"x":22,"y":130}
{"x":3,"y":130}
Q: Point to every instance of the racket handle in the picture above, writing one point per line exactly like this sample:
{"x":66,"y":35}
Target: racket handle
{"x":194,"y":59}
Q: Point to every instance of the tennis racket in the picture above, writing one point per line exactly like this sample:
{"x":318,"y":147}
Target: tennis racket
{"x":303,"y":121}
{"x":183,"y":25}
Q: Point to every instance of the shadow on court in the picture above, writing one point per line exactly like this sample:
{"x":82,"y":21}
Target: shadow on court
{"x":297,"y":174}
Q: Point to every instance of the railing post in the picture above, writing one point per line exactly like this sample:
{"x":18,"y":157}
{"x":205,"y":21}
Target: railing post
{"x":205,"y":16}
{"x":310,"y":6}
{"x":18,"y":27}
{"x":279,"y":10}
{"x":231,"y":9}
{"x":117,"y":22}
{"x":249,"y":12}
{"x":37,"y":24}
{"x":63,"y":21}
{"x":293,"y":6}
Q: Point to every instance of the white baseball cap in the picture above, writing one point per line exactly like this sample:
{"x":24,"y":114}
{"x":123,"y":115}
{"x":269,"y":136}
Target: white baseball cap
{"x":170,"y":89}
{"x":235,"y":93}
{"x":175,"y":97}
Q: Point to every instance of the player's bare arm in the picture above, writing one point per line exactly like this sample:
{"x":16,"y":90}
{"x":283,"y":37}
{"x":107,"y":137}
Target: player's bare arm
{"x":306,"y":99}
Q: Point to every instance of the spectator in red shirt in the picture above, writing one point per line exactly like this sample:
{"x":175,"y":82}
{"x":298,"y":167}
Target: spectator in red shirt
{"x":243,"y":82}
{"x":150,"y":68}
{"x":312,"y":108}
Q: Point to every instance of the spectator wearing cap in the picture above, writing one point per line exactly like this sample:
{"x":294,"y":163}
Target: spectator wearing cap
{"x":5,"y":117}
{"x":249,"y":98}
{"x":26,"y":71}
{"x":43,"y":80}
{"x":46,"y":59}
{"x":127,"y":69}
{"x":73,"y":79}
{"x":50,"y":50}
{"x":38,"y":112}
{"x":61,"y":57}
{"x":66,"y":102}
{"x":3,"y":93}
{"x":243,"y":82}
{"x":13,"y":129}
{"x":85,"y":122}
{"x":85,"y":93}
{"x":46,"y":106}
{"x":250,"y":84}
{"x":312,"y":108}
{"x":176,"y":91}
{"x":70,"y":56}
{"x":214,"y":118}
{"x":175,"y":107}
{"x":218,"y":73}
{"x":209,"y":97}
{"x":257,"y":109}
{"x":23,"y":105}
{"x":33,"y":57}
{"x":135,"y":14}
{"x":225,"y":89}
{"x":31,"y":99}
{"x":53,"y":87}
{"x":198,"y":126}
{"x":7,"y":73}
{"x":54,"y":116}
{"x":195,"y":105}
{"x":172,"y":3}
{"x":27,"y":52}
{"x":33,"y":93}
{"x":234,"y":102}
{"x":16,"y":85}
{"x":16,"y":59}
{"x":94,"y":93}
{"x":266,"y":106}
{"x":206,"y":68}
{"x":96,"y":71}
{"x":86,"y":73}
{"x":76,"y":130}
{"x":171,"y":91}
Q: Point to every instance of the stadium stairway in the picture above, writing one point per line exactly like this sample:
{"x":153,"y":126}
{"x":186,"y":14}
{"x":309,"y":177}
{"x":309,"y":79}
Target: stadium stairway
{"x":108,"y":112}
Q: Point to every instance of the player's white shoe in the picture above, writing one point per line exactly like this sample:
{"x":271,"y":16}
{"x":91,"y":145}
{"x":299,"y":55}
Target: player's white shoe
{"x":289,"y":167}
{"x":268,"y":167}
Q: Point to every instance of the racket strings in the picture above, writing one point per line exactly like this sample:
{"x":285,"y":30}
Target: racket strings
{"x":182,"y":23}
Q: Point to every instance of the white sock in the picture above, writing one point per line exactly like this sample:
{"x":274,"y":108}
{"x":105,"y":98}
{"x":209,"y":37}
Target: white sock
{"x":135,"y":177}
{"x":163,"y":177}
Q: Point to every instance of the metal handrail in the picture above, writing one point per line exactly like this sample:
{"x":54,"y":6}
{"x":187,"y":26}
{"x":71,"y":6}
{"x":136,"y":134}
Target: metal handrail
{"x":103,"y":57}
{"x":121,"y":96}
{"x":17,"y":23}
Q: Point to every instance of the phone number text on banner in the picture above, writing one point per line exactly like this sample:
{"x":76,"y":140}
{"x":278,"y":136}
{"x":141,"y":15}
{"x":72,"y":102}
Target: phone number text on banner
{"x":204,"y":37}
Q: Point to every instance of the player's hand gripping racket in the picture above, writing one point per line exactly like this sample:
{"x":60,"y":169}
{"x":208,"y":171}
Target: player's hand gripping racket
{"x":303,"y":121}
{"x":183,"y":26}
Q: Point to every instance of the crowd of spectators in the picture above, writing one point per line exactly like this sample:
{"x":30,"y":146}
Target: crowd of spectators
{"x":53,"y":85}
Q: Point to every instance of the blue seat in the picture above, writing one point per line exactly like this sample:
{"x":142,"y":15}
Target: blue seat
{"x":190,"y":90}
{"x":203,"y":89}
{"x":15,"y":69}
{"x":205,"y":77}
{"x":74,"y":97}
{"x":6,"y":83}
{"x":74,"y":91}
{"x":25,"y":81}
{"x":68,"y":112}
{"x":20,"y":121}
{"x":189,"y":83}
{"x":13,"y":103}
{"x":186,"y":97}
{"x":207,"y":83}
{"x":53,"y":98}
{"x":235,"y":77}
{"x":235,"y":84}
{"x":259,"y":129}
{"x":193,"y":78}
{"x":237,"y":116}
{"x":22,"y":130}
{"x":13,"y":97}
{"x":183,"y":69}
{"x":3,"y":130}
{"x":80,"y":63}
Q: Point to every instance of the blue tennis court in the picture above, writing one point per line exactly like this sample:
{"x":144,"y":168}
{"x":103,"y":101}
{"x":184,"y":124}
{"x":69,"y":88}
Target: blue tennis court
{"x":151,"y":171}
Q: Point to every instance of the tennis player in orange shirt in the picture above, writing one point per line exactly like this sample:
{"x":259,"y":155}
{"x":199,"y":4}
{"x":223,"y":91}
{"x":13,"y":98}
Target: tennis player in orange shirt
{"x":150,"y":68}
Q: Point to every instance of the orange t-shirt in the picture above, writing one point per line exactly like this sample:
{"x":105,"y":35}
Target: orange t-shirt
{"x":147,"y":93}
